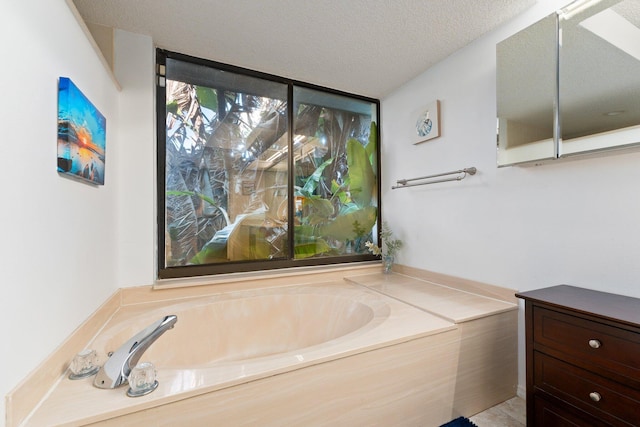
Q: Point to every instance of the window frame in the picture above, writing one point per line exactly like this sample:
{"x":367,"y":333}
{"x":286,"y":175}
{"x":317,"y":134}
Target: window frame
{"x":174,"y":272}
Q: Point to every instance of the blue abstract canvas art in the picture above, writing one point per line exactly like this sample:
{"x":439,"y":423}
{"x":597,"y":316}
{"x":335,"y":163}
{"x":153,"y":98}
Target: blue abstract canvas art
{"x":81,"y":135}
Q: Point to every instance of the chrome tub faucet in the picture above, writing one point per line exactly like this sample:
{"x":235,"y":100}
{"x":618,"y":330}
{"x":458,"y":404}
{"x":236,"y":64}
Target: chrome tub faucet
{"x":117,"y":368}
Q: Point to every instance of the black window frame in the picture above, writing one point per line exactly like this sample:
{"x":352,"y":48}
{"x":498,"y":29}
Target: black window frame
{"x":175,"y":272}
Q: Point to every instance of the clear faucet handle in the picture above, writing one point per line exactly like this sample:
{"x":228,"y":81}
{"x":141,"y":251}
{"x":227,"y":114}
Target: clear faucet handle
{"x":142,"y":379}
{"x":84,"y":364}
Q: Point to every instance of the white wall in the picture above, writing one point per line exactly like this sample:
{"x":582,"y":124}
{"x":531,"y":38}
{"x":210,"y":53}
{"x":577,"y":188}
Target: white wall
{"x":135,"y":175}
{"x":575,"y":223}
{"x":59,"y":248}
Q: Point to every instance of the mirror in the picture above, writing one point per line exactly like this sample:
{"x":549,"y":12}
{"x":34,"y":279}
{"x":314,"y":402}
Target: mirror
{"x":526,"y":92}
{"x":591,"y":48}
{"x":599,"y":78}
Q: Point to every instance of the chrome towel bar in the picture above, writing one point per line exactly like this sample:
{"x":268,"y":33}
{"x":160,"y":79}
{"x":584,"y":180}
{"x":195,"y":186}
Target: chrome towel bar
{"x":460,"y":175}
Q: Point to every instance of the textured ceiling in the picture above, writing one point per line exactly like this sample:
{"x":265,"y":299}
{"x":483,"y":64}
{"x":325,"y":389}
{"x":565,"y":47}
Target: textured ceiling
{"x":369,"y":47}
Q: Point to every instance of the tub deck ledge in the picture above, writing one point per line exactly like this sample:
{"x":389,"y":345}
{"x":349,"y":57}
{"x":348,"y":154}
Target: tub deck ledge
{"x":449,"y":303}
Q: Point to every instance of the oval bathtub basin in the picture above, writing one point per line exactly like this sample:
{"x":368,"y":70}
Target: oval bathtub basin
{"x":229,"y":341}
{"x":250,"y":324}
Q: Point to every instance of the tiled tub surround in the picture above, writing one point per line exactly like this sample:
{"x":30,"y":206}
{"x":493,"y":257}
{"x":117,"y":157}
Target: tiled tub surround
{"x":334,"y":352}
{"x":486,"y":366}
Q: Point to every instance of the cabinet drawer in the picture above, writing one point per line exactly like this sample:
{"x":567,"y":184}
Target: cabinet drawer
{"x":548,"y":414}
{"x":588,"y":343}
{"x":599,"y":396}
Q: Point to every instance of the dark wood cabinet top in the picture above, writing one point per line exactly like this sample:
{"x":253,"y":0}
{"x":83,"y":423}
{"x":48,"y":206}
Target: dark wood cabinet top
{"x":618,"y":308}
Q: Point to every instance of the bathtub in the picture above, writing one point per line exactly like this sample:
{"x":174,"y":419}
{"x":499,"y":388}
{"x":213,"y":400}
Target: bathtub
{"x":333,"y":353}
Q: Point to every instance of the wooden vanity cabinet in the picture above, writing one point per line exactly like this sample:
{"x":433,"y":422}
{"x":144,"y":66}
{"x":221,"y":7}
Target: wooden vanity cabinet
{"x":583,"y":358}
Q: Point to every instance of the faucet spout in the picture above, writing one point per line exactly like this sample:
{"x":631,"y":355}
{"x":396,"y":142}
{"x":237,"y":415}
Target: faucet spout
{"x":117,"y":368}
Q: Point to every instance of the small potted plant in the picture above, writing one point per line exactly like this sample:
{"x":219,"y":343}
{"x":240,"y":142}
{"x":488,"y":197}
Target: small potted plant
{"x":389,"y":247}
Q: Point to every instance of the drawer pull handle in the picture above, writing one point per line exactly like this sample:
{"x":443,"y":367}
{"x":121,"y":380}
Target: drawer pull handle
{"x":594,"y":343}
{"x":595,"y":396}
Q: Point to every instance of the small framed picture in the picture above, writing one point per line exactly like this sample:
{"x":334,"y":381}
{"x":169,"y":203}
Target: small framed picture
{"x":426,"y":122}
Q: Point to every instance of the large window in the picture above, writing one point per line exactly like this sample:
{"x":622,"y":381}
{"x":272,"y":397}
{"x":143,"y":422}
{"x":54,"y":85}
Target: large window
{"x":258,"y":172}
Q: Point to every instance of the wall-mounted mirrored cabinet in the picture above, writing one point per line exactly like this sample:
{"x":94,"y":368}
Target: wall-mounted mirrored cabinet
{"x":570,"y":83}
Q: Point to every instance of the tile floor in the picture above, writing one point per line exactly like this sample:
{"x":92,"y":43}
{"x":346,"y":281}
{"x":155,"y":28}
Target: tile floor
{"x":511,"y":413}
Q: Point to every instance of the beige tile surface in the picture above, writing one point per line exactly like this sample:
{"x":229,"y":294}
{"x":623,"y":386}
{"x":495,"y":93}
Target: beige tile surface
{"x":452,"y":304}
{"x":511,"y":413}
{"x":399,"y":346}
{"x":188,"y":359}
{"x":473,"y":286}
{"x":409,"y":385}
